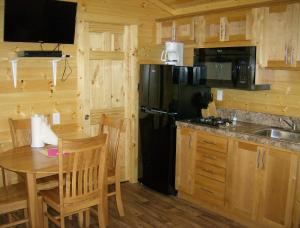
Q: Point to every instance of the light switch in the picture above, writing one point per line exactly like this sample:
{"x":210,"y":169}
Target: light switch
{"x":219,"y":95}
{"x":55,"y":118}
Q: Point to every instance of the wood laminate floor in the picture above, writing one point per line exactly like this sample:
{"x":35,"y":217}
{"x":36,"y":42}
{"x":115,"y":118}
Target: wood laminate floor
{"x":147,"y":208}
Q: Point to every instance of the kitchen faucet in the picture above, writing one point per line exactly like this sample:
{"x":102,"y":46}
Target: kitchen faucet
{"x":292,"y":124}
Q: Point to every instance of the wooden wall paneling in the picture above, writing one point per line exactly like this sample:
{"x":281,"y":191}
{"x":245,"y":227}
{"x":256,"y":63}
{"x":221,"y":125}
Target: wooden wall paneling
{"x":118,"y":92}
{"x":84,"y":76}
{"x":131,"y":100}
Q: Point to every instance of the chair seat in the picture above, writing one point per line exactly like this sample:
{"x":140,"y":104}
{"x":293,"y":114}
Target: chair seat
{"x":47,"y":183}
{"x":51,"y":197}
{"x":13,"y":197}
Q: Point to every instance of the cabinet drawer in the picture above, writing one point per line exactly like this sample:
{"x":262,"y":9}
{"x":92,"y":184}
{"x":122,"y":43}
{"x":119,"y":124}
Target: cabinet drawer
{"x":213,"y":142}
{"x":210,"y":171}
{"x":210,"y":184}
{"x":211,"y":157}
{"x":208,"y":196}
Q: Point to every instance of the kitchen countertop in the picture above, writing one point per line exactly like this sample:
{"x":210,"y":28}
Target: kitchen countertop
{"x":244,"y":131}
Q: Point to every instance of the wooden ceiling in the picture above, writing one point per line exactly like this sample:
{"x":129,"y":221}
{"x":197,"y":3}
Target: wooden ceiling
{"x":175,"y":4}
{"x":185,"y":7}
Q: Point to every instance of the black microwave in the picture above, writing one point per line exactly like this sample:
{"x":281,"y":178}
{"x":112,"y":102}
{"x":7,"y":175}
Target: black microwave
{"x":228,"y":67}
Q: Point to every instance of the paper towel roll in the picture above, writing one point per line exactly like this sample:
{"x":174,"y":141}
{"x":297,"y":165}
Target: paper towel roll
{"x":36,"y":122}
{"x":47,"y":135}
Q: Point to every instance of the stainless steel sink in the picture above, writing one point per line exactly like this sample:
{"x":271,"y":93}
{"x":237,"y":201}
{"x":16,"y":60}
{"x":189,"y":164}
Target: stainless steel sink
{"x":279,"y":134}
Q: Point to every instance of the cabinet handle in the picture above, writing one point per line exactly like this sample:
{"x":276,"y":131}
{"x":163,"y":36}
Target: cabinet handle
{"x":224,"y":33}
{"x":210,"y":157}
{"x":190,"y":141}
{"x":286,"y":55}
{"x":263,"y":159}
{"x":221,"y":32}
{"x":206,"y":190}
{"x":292,"y":56}
{"x":257,"y":159}
{"x":208,"y":142}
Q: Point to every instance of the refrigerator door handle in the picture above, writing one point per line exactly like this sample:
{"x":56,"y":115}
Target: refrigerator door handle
{"x":158,"y":111}
{"x":163,"y":112}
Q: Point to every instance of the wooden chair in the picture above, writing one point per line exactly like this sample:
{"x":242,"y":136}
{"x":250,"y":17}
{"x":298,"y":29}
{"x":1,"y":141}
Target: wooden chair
{"x":113,"y":127}
{"x":82,"y":184}
{"x":20,"y":131}
{"x":13,"y":198}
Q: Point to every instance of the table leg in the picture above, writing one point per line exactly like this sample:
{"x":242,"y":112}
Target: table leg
{"x":32,"y":200}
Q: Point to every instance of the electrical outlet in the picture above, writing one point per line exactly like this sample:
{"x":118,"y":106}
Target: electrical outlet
{"x":219,"y":95}
{"x":55,"y":118}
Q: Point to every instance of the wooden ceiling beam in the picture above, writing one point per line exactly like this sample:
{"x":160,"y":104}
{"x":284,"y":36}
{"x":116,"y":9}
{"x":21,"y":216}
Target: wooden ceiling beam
{"x":163,"y":6}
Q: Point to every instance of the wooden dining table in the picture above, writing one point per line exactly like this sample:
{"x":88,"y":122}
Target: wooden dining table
{"x":35,"y":165}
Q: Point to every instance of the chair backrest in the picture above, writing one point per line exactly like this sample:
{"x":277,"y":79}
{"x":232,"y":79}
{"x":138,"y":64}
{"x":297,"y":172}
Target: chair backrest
{"x":20,"y":131}
{"x":82,"y":170}
{"x":113,"y":127}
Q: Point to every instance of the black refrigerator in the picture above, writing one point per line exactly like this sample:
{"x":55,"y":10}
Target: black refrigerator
{"x":166,"y":94}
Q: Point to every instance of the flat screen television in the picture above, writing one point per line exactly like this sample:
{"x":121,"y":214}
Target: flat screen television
{"x":43,"y":21}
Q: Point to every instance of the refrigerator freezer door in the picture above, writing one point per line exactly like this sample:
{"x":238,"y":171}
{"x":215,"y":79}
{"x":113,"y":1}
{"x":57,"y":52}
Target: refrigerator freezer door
{"x":157,"y":152}
{"x":157,"y":89}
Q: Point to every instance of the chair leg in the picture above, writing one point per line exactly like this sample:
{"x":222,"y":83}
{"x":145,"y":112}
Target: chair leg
{"x":10,"y":217}
{"x":40,"y":210}
{"x":62,"y":221}
{"x":45,"y":218}
{"x":119,"y":199}
{"x":101,"y":215}
{"x":87,"y":218}
{"x":26,"y":216}
{"x":80,"y":219}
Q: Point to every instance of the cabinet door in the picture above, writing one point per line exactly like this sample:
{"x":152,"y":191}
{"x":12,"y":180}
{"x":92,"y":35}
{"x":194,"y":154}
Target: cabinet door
{"x":298,"y":40}
{"x":212,"y":28}
{"x":185,"y":160}
{"x":279,"y":181}
{"x":243,"y":183}
{"x":238,"y":26}
{"x":184,"y":30}
{"x":164,"y":31}
{"x":280,"y":37}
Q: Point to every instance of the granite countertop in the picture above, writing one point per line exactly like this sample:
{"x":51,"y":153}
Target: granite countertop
{"x":245,"y":131}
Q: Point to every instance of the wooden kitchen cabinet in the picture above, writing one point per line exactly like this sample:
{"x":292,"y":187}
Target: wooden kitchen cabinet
{"x":281,"y":36}
{"x":233,"y":26}
{"x":262,"y":184}
{"x":279,"y":171}
{"x":296,"y":213}
{"x":243,"y":185}
{"x":185,"y":160}
{"x":180,"y":30}
{"x":254,"y":182}
{"x":201,"y":166}
{"x":210,"y":169}
{"x":165,"y":31}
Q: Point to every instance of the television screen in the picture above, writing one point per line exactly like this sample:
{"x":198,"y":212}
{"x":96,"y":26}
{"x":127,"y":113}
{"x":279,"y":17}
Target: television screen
{"x":47,"y":21}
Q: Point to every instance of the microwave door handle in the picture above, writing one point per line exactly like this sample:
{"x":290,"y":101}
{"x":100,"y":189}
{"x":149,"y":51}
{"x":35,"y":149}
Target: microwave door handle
{"x":235,"y":74}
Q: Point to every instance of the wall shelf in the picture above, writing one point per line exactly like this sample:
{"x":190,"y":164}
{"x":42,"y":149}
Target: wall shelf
{"x":53,"y":60}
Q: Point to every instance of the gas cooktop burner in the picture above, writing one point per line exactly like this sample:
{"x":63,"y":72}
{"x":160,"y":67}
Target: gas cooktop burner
{"x":211,"y":121}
